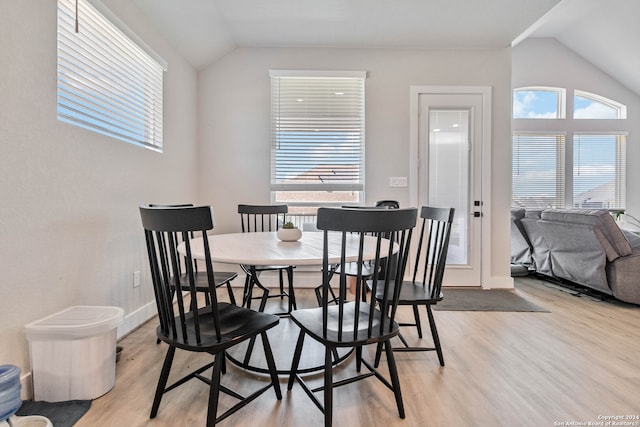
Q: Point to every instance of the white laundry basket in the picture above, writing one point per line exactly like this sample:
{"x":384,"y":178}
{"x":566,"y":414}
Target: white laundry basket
{"x":73,"y":353}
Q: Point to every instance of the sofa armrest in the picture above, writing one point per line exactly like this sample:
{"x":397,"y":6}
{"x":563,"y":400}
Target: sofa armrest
{"x":624,"y":277}
{"x":520,"y":245}
{"x":540,"y":250}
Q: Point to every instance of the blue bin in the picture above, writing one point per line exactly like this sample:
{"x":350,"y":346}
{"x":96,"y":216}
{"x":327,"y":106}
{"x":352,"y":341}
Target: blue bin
{"x":10,"y":388}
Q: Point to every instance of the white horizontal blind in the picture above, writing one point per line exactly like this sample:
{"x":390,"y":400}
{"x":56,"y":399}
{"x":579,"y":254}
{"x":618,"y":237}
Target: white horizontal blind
{"x":106,"y":82}
{"x":317,"y":136}
{"x":538,"y":170}
{"x":599,"y":170}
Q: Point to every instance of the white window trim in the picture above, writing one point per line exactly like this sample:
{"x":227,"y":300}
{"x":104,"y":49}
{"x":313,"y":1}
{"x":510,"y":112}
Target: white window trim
{"x":115,"y":20}
{"x":358,"y":187}
{"x":561,"y":106}
{"x":619,"y":107}
{"x":317,"y":73}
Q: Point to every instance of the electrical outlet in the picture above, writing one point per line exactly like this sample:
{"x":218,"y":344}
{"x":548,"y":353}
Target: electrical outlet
{"x":136,"y":279}
{"x":398,"y":181}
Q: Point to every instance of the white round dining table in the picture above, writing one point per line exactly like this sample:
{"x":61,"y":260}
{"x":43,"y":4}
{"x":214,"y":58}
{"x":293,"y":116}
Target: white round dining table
{"x":266,"y":249}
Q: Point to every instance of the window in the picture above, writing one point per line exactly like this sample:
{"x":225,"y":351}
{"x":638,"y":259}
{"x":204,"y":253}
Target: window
{"x":599,"y":171}
{"x":317,"y":138}
{"x":591,"y":106}
{"x":107,"y":82}
{"x":564,"y":163}
{"x":538,"y":170}
{"x":538,"y":103}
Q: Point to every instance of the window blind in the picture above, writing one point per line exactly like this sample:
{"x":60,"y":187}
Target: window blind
{"x":106,"y":82}
{"x":317,"y":138}
{"x":599,"y":170}
{"x":538,"y":170}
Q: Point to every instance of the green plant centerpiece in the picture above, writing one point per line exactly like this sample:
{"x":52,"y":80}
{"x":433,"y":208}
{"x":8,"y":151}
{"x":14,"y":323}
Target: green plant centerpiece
{"x":289,"y":232}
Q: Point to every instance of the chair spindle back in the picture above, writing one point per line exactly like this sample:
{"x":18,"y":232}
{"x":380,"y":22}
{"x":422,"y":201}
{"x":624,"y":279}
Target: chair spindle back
{"x":367,"y":227}
{"x":262,"y":217}
{"x":165,"y":229}
{"x":433,"y":246}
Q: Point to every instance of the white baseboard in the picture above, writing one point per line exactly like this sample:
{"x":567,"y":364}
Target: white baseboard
{"x":136,"y":318}
{"x":499,"y":282}
{"x":27,"y":386}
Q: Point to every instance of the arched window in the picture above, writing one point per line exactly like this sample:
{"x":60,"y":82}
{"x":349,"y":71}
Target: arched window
{"x":539,"y":102}
{"x":588,"y":105}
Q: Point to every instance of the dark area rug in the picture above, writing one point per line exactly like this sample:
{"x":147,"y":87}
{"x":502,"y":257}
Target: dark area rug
{"x":485,"y":300}
{"x":61,"y":414}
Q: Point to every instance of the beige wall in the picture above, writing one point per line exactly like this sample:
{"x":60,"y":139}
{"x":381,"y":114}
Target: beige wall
{"x":69,"y":225}
{"x":234,"y":124}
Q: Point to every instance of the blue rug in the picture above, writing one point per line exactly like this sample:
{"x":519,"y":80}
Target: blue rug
{"x":61,"y":414}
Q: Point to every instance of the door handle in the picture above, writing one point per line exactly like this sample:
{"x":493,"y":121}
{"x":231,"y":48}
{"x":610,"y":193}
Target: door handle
{"x":477,"y":214}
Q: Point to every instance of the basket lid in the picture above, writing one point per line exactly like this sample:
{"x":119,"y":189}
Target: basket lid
{"x":76,"y":322}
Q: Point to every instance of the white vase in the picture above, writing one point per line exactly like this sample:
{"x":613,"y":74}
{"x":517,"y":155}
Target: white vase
{"x":289,"y":234}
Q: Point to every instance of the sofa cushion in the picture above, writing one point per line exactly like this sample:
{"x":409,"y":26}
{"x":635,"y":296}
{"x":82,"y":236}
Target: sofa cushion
{"x":533,"y":213}
{"x":609,"y":234}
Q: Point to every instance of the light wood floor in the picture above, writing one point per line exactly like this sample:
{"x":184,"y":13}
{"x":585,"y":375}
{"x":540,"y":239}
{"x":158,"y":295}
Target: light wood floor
{"x":577,"y":363}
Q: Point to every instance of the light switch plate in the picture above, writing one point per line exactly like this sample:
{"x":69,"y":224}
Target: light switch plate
{"x":398,"y":181}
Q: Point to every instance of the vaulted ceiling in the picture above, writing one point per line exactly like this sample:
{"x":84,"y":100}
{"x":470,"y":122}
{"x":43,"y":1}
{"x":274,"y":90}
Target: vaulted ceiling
{"x":605,"y":32}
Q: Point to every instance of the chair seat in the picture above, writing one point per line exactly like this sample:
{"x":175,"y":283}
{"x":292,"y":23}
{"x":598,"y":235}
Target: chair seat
{"x":310,"y":319}
{"x":351,"y":269}
{"x":237,"y":324}
{"x":202,"y":282}
{"x":412,"y":293}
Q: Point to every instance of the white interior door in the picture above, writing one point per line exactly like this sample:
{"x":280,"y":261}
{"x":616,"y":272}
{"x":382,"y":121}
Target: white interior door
{"x":450,"y":138}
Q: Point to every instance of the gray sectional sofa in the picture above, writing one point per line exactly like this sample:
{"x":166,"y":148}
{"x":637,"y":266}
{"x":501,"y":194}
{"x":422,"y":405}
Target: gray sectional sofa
{"x":585,"y":247}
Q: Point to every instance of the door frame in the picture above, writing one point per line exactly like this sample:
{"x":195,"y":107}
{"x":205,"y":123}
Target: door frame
{"x":485,"y":190}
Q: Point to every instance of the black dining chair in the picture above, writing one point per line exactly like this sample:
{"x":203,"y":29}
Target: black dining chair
{"x":265,"y":218}
{"x":389,"y":204}
{"x":223,"y":278}
{"x":355,"y":324}
{"x":425,"y":287}
{"x":199,"y":327}
{"x":368,"y":268}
